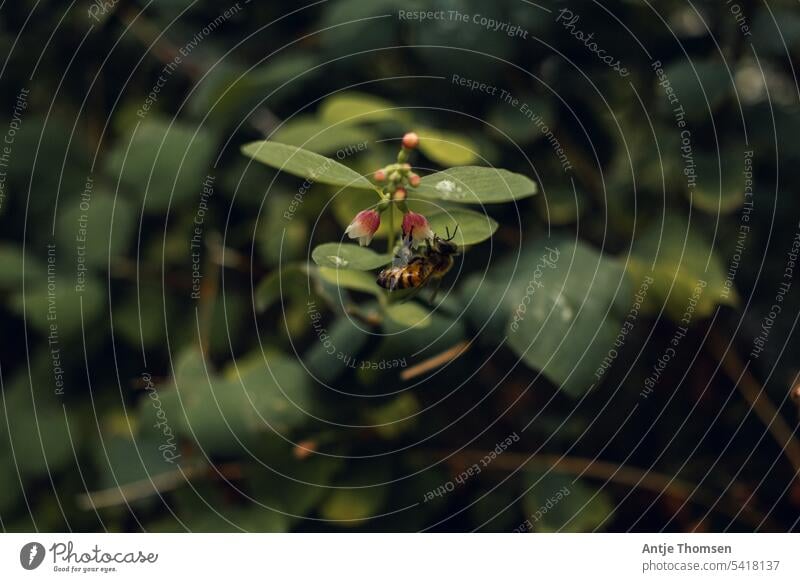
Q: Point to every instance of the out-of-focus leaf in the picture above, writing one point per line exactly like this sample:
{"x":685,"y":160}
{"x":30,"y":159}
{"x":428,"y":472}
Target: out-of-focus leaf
{"x":219,"y":411}
{"x":561,"y":205}
{"x":122,"y":460}
{"x":40,"y":434}
{"x":54,"y":301}
{"x":331,"y":355}
{"x":349,"y":507}
{"x":348,"y":256}
{"x":305,"y":164}
{"x":720,"y":187}
{"x":280,"y":238}
{"x":476,"y":185}
{"x":447,"y":149}
{"x":473,"y":227}
{"x":776,"y":30}
{"x":395,"y":418}
{"x":409,"y":314}
{"x":350,"y":279}
{"x":12,"y":274}
{"x":289,"y":278}
{"x":228,"y":92}
{"x":352,"y":107}
{"x":516,"y":126}
{"x":684,"y":268}
{"x":554,"y":503}
{"x":701,"y":86}
{"x":565,"y":327}
{"x":162,"y":161}
{"x":98,"y":230}
{"x":322,"y":137}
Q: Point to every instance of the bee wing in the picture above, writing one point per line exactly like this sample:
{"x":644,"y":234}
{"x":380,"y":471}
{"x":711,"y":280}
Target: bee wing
{"x":404,"y":254}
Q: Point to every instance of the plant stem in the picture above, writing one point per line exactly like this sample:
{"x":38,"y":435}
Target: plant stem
{"x":390,"y":237}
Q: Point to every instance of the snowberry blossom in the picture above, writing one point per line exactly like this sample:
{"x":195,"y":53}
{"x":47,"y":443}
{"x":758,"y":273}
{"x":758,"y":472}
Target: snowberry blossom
{"x":363,"y":226}
{"x":416,"y":226}
{"x":410,"y":140}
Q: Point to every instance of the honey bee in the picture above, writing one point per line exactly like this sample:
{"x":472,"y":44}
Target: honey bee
{"x":413,"y":270}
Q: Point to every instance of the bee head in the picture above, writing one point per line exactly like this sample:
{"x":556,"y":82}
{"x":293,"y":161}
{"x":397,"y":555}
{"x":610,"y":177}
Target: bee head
{"x":444,"y":245}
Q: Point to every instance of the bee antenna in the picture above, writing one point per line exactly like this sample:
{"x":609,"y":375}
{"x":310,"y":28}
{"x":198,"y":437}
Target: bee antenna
{"x":447,"y":230}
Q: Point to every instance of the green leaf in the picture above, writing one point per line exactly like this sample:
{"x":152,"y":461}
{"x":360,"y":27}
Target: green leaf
{"x":684,"y":268}
{"x":473,"y":227}
{"x":40,"y":432}
{"x":121,"y":460}
{"x":476,"y":185}
{"x":162,"y":160}
{"x":228,"y":93}
{"x":12,"y":273}
{"x":447,"y":149}
{"x":93,"y":231}
{"x":305,"y":164}
{"x":701,"y":86}
{"x":553,"y":503}
{"x":350,"y":279}
{"x":329,"y":357}
{"x":351,"y":507}
{"x":565,"y":326}
{"x":354,"y":107}
{"x":323,"y":138}
{"x":409,"y":314}
{"x":395,"y":418}
{"x":54,"y":301}
{"x":348,"y":256}
{"x":289,"y":279}
{"x":562,"y":310}
{"x":217,"y":411}
{"x":561,"y":205}
{"x":720,"y":188}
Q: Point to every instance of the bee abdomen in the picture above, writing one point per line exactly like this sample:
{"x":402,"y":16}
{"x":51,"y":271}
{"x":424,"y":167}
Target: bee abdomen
{"x":395,"y":278}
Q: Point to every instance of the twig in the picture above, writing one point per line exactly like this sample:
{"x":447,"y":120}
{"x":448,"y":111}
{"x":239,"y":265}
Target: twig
{"x":435,"y":361}
{"x":144,"y":488}
{"x":633,"y":477}
{"x":756,"y":397}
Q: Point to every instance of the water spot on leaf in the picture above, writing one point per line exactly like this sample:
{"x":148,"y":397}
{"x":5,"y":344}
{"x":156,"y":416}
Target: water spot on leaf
{"x":337,"y":260}
{"x":448,"y":189}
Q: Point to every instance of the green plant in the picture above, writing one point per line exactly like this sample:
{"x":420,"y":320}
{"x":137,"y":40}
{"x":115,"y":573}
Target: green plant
{"x":445,"y":197}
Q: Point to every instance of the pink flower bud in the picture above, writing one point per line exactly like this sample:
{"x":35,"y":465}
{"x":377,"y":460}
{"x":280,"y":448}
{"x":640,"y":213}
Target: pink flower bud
{"x":363,"y":226}
{"x":410,"y":140}
{"x":400,"y":194}
{"x":380,"y":176}
{"x":413,"y":179}
{"x":416,"y":226}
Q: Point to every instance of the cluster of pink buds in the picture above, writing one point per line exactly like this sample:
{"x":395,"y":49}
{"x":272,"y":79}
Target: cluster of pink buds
{"x":394,"y":180}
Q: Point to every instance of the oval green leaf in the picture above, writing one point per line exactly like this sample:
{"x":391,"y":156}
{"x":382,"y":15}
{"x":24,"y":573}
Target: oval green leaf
{"x":348,"y":256}
{"x":305,"y":164}
{"x":350,"y":279}
{"x":321,"y":137}
{"x":447,"y":149}
{"x":408,"y":314}
{"x":476,"y":185}
{"x":355,"y":107}
{"x":473,"y":227}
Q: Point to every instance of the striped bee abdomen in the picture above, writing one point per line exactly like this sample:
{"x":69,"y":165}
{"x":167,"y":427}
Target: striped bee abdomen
{"x":405,"y":277}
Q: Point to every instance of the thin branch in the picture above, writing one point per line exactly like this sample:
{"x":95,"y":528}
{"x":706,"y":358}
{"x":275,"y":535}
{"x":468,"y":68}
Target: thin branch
{"x":755,"y":395}
{"x":436,"y":361}
{"x":628,"y":476}
{"x":144,"y":488}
